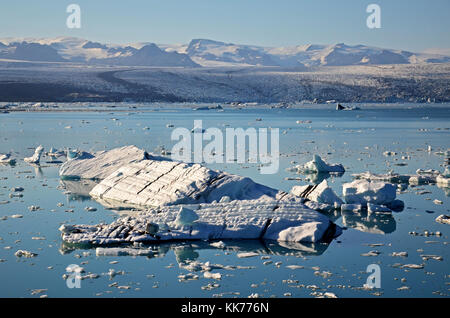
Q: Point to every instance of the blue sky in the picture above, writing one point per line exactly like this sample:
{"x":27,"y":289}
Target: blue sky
{"x":412,"y":25}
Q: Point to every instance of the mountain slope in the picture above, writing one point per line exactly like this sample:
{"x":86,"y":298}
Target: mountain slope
{"x":209,"y":53}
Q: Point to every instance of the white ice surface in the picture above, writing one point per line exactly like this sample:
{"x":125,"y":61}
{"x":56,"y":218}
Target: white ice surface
{"x":363,"y":192}
{"x":247,"y":219}
{"x":102,"y":163}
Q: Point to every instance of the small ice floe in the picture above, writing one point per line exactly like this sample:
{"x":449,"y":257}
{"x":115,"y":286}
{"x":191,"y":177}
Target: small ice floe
{"x":247,"y":254}
{"x":413,"y":266}
{"x":123,"y":251}
{"x":17,"y":216}
{"x":364,"y":192}
{"x":36,"y":157}
{"x":216,"y":276}
{"x":23,"y":253}
{"x":34,"y":208}
{"x":434,"y":257}
{"x":219,"y":244}
{"x":38,"y":291}
{"x":7,"y":160}
{"x":90,"y":209}
{"x":371,"y":253}
{"x":295,"y":266}
{"x":341,"y":107}
{"x":399,"y":254}
{"x":320,"y":193}
{"x":443,"y":180}
{"x":443,"y":219}
{"x":317,"y":165}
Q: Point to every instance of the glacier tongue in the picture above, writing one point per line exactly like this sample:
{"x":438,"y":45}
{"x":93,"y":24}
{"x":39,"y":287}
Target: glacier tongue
{"x":246,"y":219}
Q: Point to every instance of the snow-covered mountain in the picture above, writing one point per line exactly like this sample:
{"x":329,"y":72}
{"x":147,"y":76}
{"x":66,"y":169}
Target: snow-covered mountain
{"x":83,"y":51}
{"x":204,"y":52}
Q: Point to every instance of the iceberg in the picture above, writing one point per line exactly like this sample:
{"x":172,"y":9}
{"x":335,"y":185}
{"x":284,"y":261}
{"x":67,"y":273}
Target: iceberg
{"x":247,"y":219}
{"x":364,"y":192}
{"x":6,"y":159}
{"x":36,"y":157}
{"x":317,"y":165}
{"x":443,"y":219}
{"x":101,"y":164}
{"x":320,"y":193}
{"x":152,"y":183}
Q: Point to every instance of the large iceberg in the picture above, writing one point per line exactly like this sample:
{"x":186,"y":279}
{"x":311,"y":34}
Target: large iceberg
{"x":152,"y":183}
{"x":363,"y":192}
{"x":101,"y":164}
{"x":247,"y":219}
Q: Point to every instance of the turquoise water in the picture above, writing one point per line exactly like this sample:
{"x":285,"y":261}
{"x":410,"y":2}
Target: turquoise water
{"x":357,"y":139}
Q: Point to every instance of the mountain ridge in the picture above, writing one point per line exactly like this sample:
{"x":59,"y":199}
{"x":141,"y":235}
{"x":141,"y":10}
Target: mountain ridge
{"x":206,"y":52}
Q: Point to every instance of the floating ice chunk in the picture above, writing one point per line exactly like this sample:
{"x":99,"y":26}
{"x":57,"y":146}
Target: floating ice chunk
{"x":186,"y":216}
{"x":305,"y":232}
{"x":6,"y":159}
{"x":247,"y":254}
{"x":443,"y":181}
{"x":317,"y":165}
{"x":36,"y":157}
{"x":320,"y":193}
{"x":219,"y":244}
{"x":422,"y":179}
{"x":429,"y":172}
{"x":101,"y":164}
{"x":444,"y":219}
{"x":216,"y":276}
{"x":24,"y":253}
{"x":446,"y":172}
{"x":363,"y":192}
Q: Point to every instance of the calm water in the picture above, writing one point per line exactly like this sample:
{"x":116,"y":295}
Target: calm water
{"x":357,"y":139}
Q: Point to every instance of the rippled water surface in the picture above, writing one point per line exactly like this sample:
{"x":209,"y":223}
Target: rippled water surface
{"x":357,"y":139}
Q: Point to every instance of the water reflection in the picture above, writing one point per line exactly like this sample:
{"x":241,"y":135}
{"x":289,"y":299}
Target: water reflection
{"x":77,"y":190}
{"x":317,"y":178}
{"x":186,"y":252}
{"x":369,"y":223}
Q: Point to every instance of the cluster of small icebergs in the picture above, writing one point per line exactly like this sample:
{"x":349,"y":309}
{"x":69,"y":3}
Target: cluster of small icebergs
{"x":175,"y":201}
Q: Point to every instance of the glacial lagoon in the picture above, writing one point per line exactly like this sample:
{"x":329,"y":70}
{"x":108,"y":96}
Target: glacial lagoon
{"x":401,"y":138}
